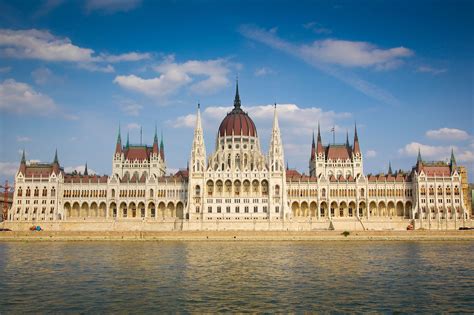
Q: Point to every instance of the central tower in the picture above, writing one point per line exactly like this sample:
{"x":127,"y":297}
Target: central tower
{"x":238,"y":182}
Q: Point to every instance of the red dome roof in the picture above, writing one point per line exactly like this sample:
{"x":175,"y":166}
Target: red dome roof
{"x":237,"y":122}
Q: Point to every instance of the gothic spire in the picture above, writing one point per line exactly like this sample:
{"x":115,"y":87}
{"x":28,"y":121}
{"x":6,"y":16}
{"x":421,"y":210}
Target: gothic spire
{"x":347,"y":138}
{"x":128,"y":139}
{"x":155,"y":143}
{"x":23,"y":159}
{"x":277,"y":160}
{"x":389,"y":168}
{"x":162,"y":147}
{"x":453,"y":159}
{"x":118,"y":145}
{"x":237,"y":96}
{"x":319,"y":145}
{"x":56,"y":157}
{"x":119,"y":137}
{"x":313,"y":149}
{"x":418,"y":159}
{"x":356,"y":148}
{"x":85,"y":170}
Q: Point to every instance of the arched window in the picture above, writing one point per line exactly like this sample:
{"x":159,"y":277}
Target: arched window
{"x":36,"y":192}
{"x":53,"y":192}
{"x":19,"y":192}
{"x":323,"y":192}
{"x":45,"y":192}
{"x":113,"y":193}
{"x":277,"y":190}
{"x":151,"y":193}
{"x":198,"y":190}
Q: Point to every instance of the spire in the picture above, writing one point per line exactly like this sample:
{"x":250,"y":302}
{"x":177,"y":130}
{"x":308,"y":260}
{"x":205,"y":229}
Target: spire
{"x":141,"y":134}
{"x":128,"y":139}
{"x":197,"y":161}
{"x":237,"y":96}
{"x":419,"y":160}
{"x":23,"y":159}
{"x":118,"y":145}
{"x":287,"y":167}
{"x":56,"y":157}
{"x":356,"y":148}
{"x":347,"y":138}
{"x":85,"y":170}
{"x":453,"y":159}
{"x":276,"y":158}
{"x":313,"y":149}
{"x":162,"y":147}
{"x":23,"y":163}
{"x":155,"y":143}
{"x":389,"y":168}
{"x":319,"y":146}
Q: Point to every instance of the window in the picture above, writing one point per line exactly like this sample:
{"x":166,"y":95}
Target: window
{"x":277,"y":209}
{"x":227,"y":209}
{"x":246,"y":209}
{"x":237,"y":209}
{"x":197,"y":209}
{"x":255,"y":209}
{"x":209,"y":209}
{"x":218,"y":209}
{"x":265,"y":209}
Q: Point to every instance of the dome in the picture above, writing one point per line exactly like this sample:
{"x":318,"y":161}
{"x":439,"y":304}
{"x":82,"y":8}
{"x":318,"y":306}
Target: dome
{"x":237,"y":122}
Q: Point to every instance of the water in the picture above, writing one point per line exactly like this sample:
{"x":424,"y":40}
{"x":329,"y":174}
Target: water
{"x":139,"y":277}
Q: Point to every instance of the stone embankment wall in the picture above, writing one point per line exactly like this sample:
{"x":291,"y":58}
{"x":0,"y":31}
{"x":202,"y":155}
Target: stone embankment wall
{"x":340,"y":224}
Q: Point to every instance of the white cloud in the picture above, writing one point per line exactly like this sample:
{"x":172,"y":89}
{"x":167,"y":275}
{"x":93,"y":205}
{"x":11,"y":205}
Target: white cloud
{"x":42,"y":75}
{"x":447,"y":134}
{"x":355,"y":54}
{"x":130,"y":108}
{"x":79,"y":169}
{"x":437,"y":152}
{"x":318,"y":56}
{"x":23,"y":139}
{"x":317,"y":28}
{"x":112,"y":6}
{"x":20,"y":98}
{"x":37,"y":44}
{"x":5,"y":69}
{"x":187,"y":121}
{"x":8,"y":169}
{"x":43,"y":45}
{"x":174,"y":76}
{"x":260,"y":72}
{"x":429,"y":69}
{"x":132,"y":56}
{"x":131,"y":126}
{"x":370,"y":153}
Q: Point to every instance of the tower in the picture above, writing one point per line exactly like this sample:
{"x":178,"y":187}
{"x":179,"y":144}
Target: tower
{"x":277,"y":171}
{"x":357,"y":159}
{"x":197,"y":164}
{"x":318,"y":163}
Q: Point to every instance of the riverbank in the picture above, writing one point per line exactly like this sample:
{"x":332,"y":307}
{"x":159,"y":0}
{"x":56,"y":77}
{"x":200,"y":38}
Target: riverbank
{"x":417,"y":235}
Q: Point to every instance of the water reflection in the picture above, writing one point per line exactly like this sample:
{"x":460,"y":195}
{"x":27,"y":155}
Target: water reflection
{"x":142,"y":277}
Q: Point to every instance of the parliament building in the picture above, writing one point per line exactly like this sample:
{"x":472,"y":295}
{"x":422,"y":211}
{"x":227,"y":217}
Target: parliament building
{"x":239,"y":187}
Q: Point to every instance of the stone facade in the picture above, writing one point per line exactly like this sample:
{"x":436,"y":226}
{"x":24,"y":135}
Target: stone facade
{"x":239,"y":187}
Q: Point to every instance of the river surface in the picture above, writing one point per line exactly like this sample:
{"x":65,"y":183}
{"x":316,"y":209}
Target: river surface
{"x":144,"y":277}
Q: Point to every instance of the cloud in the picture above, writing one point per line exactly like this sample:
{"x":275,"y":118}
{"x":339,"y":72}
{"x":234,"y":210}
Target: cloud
{"x":8,"y":169}
{"x":23,"y":139}
{"x":132,"y":126}
{"x":317,"y":28}
{"x":355,"y":54}
{"x":318,"y":56}
{"x":46,"y":7}
{"x":201,"y":77}
{"x":5,"y":69}
{"x":130,"y":108}
{"x":20,"y":98}
{"x":42,"y":75}
{"x":448,"y":134}
{"x":132,"y":56}
{"x":370,"y":153}
{"x":437,"y":152}
{"x":79,"y":169}
{"x":112,"y":6}
{"x":297,"y":120}
{"x":43,"y":45}
{"x":260,"y":72}
{"x":429,"y":69}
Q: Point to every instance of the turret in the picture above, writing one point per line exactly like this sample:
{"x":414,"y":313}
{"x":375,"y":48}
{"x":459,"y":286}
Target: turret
{"x":356,"y":148}
{"x":86,"y":173}
{"x":56,"y":163}
{"x":118,"y":145}
{"x":156,"y":150}
{"x":162,"y":148}
{"x":389,"y":168}
{"x":313,"y":149}
{"x":452,"y":162}
{"x":319,"y":145}
{"x":347,"y":139}
{"x":276,"y":148}
{"x":23,"y":163}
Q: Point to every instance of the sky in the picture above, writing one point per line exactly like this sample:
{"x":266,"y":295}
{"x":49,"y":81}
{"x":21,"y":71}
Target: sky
{"x":72,"y":72}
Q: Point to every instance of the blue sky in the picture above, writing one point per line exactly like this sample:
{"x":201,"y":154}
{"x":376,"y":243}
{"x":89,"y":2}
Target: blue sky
{"x":71,"y":71}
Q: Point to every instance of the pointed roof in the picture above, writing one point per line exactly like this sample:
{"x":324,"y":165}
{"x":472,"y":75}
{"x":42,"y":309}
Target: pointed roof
{"x":418,"y":159}
{"x":119,"y":137}
{"x":356,"y":148}
{"x":56,"y":157}
{"x":118,"y":145}
{"x":23,"y":159}
{"x":128,"y":139}
{"x":155,"y":142}
{"x":319,"y":147}
{"x":389,"y":168}
{"x":162,"y":147}
{"x":453,"y":159}
{"x":237,"y":96}
{"x":347,"y":138}
{"x":85,"y":170}
{"x":313,"y":149}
